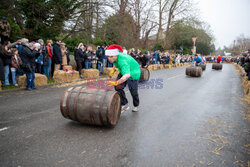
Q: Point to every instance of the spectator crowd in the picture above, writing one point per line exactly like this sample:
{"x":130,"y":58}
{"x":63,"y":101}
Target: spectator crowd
{"x":30,"y":57}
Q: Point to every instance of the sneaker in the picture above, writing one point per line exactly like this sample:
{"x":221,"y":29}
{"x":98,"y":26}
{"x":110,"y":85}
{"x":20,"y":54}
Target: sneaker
{"x":125,"y":108}
{"x":16,"y":84}
{"x":135,"y":109}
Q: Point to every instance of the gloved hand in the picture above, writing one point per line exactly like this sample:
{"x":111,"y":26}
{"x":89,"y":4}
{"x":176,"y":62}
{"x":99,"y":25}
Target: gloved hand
{"x":111,"y":73}
{"x":112,"y":83}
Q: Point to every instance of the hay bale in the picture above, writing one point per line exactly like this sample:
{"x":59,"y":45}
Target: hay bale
{"x":150,"y":68}
{"x":63,"y":76}
{"x":90,"y":73}
{"x":161,"y":66}
{"x":107,"y":70}
{"x":40,"y":80}
{"x":174,"y":65}
{"x":246,"y":85}
{"x":69,"y":68}
{"x":155,"y":67}
{"x":168,"y":66}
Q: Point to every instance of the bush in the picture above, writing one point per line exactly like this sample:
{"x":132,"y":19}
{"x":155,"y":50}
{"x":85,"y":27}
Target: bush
{"x":158,"y":46}
{"x":72,"y":43}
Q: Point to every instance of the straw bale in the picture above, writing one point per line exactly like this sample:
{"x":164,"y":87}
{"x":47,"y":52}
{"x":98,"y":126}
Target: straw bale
{"x":39,"y":80}
{"x":63,"y":76}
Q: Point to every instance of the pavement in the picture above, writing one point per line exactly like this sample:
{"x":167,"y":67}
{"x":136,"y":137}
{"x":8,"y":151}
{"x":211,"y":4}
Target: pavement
{"x":183,"y":121}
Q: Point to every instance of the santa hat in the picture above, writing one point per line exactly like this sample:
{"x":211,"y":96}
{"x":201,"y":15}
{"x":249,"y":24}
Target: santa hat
{"x":113,"y":50}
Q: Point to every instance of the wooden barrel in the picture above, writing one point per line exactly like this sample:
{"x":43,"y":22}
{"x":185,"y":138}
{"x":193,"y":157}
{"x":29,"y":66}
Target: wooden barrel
{"x":188,"y":69}
{"x":145,"y":74}
{"x":194,"y":71}
{"x":91,"y":106}
{"x":203,"y":66}
{"x":217,"y":66}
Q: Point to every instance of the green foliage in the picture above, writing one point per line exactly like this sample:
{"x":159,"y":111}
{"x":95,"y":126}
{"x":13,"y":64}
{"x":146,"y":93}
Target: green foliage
{"x":181,"y":35}
{"x":158,"y":46}
{"x":119,"y":29}
{"x":43,"y":18}
{"x":99,"y":41}
{"x":72,"y":43}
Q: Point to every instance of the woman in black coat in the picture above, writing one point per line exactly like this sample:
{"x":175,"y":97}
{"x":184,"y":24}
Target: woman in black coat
{"x":80,"y":56}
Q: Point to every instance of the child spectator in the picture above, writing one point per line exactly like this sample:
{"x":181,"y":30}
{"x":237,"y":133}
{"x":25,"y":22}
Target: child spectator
{"x":15,"y":64}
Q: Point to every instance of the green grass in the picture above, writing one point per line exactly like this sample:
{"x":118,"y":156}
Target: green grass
{"x":51,"y":81}
{"x":10,"y":87}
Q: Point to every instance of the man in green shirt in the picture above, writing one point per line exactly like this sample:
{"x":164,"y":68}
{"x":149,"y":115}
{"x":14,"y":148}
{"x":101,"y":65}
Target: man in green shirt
{"x":129,"y":74}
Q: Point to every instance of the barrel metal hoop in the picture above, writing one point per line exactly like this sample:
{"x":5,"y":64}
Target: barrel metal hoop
{"x":62,"y":102}
{"x":75,"y":102}
{"x":109,"y":108}
{"x":91,"y":112}
{"x":67,"y":103}
{"x":100,"y":108}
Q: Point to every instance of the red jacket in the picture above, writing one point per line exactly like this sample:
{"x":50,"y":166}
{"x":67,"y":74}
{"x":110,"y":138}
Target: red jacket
{"x":218,"y":59}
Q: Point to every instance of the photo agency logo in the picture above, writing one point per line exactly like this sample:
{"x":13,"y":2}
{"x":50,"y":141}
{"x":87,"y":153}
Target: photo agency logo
{"x":154,"y":83}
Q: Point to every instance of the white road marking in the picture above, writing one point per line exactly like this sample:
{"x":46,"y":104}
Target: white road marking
{"x":175,"y":77}
{"x":5,"y":128}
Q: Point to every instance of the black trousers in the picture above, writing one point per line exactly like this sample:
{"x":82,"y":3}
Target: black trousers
{"x":80,"y":66}
{"x":4,"y":38}
{"x":133,"y":88}
{"x":1,"y":70}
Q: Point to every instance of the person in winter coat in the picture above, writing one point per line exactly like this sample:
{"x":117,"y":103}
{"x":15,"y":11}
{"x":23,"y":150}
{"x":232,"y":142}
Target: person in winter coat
{"x":15,"y":64}
{"x":57,"y":56}
{"x":29,"y":54}
{"x":6,"y":62}
{"x":39,"y":60}
{"x":64,"y":54}
{"x":48,"y":57}
{"x":88,"y":57}
{"x":4,"y":30}
{"x":80,"y":56}
{"x":218,"y":59}
{"x":143,"y":60}
{"x":67,"y":54}
{"x":102,"y":58}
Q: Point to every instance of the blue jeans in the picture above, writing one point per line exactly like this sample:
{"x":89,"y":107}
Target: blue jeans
{"x":101,"y":65}
{"x":6,"y":75}
{"x":13,"y":74}
{"x":156,"y":62}
{"x":87,"y":64}
{"x":30,"y":79}
{"x":45,"y":71}
{"x":49,"y":66}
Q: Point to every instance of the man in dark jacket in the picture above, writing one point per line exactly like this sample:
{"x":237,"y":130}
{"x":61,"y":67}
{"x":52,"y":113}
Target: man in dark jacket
{"x":57,"y":57}
{"x":4,"y":55}
{"x":29,"y":54}
{"x":6,"y":62}
{"x":102,"y":59}
{"x":4,"y":30}
{"x":143,"y":60}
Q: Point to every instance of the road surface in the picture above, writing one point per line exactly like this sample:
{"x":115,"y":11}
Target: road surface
{"x":182,"y":121}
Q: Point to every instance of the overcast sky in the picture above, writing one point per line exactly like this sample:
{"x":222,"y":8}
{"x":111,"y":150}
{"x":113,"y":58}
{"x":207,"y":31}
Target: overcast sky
{"x":228,"y":19}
